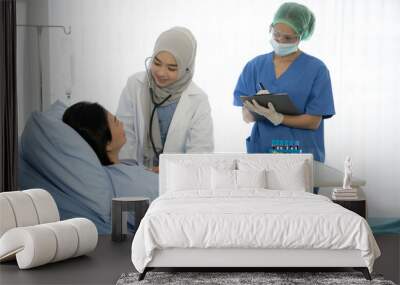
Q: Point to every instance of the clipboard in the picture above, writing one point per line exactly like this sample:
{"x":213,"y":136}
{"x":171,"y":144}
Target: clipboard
{"x":281,"y":101}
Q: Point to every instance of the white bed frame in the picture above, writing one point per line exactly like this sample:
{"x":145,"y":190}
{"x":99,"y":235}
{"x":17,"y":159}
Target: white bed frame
{"x":250,"y":258}
{"x":234,"y":257}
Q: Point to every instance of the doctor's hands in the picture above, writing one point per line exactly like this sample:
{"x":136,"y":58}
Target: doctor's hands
{"x":154,"y":169}
{"x":268,"y":112}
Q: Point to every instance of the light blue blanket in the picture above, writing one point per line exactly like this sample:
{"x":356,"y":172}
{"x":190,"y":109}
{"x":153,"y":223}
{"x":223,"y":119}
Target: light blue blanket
{"x":54,"y":157}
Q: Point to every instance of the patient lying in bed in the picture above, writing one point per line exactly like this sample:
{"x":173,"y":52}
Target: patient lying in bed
{"x":77,"y":162}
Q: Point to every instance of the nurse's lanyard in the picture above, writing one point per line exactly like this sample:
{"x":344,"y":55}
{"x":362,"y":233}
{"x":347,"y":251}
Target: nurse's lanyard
{"x":156,"y":105}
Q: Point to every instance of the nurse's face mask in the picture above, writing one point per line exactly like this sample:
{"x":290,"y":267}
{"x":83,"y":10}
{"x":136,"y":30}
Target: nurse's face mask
{"x":283,"y":42}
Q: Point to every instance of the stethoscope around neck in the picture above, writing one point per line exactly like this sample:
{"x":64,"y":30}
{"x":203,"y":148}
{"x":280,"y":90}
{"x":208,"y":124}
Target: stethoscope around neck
{"x":155,"y":106}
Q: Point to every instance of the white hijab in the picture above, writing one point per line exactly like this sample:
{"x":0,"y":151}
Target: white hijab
{"x":180,"y":42}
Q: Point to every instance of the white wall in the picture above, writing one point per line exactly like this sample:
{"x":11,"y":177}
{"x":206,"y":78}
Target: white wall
{"x":356,"y":39}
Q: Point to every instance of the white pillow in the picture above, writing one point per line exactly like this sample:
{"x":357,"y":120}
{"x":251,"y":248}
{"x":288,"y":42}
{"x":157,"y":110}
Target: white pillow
{"x":188,"y":177}
{"x":227,"y":179}
{"x":223,"y":179}
{"x":282,"y":174}
{"x":292,"y":178}
{"x":251,"y":178}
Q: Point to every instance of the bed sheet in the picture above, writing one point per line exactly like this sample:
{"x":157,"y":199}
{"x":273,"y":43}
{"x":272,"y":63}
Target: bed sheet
{"x":250,"y":218}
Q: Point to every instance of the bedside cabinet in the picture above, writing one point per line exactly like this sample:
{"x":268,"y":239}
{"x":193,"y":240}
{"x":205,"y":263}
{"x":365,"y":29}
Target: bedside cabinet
{"x":357,"y":206}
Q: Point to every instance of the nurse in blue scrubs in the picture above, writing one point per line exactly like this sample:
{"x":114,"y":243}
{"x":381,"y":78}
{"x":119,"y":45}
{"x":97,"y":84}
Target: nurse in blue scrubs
{"x":288,"y":70}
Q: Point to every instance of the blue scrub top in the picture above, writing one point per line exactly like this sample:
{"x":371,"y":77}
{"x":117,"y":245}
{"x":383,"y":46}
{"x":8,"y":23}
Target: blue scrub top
{"x":165,"y":114}
{"x":308,"y":85}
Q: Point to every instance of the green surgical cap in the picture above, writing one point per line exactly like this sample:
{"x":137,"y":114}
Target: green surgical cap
{"x":298,"y":17}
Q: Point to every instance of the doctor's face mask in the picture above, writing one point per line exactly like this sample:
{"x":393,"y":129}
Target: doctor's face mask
{"x":164,"y":69}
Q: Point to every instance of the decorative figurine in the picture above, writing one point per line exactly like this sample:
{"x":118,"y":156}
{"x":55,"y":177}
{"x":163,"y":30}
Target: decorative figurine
{"x":347,"y":173}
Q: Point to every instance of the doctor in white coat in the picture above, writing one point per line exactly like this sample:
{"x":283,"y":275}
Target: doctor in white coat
{"x":162,"y":109}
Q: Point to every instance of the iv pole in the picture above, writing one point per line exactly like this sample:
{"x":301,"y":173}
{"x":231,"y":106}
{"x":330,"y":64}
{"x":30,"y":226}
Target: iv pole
{"x":39,"y":33}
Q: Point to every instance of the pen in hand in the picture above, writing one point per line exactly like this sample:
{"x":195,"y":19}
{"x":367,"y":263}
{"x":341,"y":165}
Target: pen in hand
{"x":262,"y":90}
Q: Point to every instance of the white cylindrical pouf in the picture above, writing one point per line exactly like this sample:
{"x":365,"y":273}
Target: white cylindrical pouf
{"x":87,"y":234}
{"x":7,"y":218}
{"x":33,"y":246}
{"x":67,"y":239}
{"x":45,"y":205}
{"x":23,"y":208}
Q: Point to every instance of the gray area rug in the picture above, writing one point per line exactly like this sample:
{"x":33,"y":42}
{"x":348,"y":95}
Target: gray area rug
{"x":228,"y":278}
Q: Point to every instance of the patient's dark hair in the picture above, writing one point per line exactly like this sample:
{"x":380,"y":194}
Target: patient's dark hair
{"x":90,"y":121}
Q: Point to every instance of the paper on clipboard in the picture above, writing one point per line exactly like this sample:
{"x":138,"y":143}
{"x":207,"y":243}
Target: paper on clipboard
{"x":281,"y":101}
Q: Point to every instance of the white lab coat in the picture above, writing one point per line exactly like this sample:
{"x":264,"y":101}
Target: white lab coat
{"x":191,"y":128}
